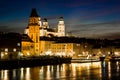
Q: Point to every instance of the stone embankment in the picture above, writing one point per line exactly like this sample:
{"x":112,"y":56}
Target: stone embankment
{"x":33,"y":61}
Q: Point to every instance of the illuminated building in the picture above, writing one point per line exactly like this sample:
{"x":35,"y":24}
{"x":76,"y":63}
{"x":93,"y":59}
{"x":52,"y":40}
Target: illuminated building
{"x":39,"y":38}
{"x":36,"y":29}
{"x":27,"y":46}
{"x":65,"y":49}
{"x":45,"y":44}
{"x":44,"y":29}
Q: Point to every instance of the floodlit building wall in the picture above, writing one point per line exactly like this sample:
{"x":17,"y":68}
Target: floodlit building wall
{"x":27,"y":48}
{"x":65,"y":49}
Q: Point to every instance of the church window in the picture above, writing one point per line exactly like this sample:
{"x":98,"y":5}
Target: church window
{"x":36,"y":45}
{"x":36,"y":38}
{"x":36,"y":49}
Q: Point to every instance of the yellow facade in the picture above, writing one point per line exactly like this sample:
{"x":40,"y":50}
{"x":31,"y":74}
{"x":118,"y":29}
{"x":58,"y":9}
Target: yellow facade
{"x":67,"y":49}
{"x":34,"y":35}
{"x":27,"y":48}
{"x":45,"y":46}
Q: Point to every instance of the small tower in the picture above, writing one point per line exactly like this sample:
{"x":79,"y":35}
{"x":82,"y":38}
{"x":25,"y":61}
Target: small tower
{"x":45,"y":23}
{"x":34,"y":32}
{"x":61,"y":27}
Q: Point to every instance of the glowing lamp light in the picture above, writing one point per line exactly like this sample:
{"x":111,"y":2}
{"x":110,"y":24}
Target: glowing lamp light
{"x":14,"y":50}
{"x":58,"y":54}
{"x":108,"y":52}
{"x":2,"y":54}
{"x":20,"y":54}
{"x":6,"y":53}
{"x":18,"y":44}
{"x":63,"y":53}
{"x":28,"y":53}
{"x":116,"y":53}
{"x":48,"y":53}
{"x":90,"y":55}
{"x":103,"y":55}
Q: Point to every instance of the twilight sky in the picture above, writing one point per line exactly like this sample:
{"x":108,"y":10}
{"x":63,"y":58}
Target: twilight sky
{"x":83,"y":18}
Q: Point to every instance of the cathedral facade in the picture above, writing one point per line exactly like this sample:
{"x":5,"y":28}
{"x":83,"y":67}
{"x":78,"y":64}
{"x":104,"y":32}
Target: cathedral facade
{"x":44,"y":29}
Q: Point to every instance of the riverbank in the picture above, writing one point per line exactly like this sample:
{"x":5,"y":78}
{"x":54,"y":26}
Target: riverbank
{"x":110,"y":58}
{"x":33,"y":61}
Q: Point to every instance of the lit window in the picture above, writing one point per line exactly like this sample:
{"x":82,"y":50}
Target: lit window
{"x":18,"y":44}
{"x":78,"y":44}
{"x":2,"y":54}
{"x":6,"y":49}
{"x":36,"y":49}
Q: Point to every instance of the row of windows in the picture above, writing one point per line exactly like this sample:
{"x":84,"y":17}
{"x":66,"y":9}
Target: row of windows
{"x":7,"y":49}
{"x":62,"y":44}
{"x":61,"y":48}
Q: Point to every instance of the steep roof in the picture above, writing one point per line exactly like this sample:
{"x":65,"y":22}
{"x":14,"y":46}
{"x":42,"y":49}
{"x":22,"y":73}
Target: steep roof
{"x":26,"y":38}
{"x":34,"y":13}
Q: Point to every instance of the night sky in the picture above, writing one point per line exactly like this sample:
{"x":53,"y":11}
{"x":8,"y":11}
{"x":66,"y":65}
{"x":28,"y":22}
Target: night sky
{"x":83,"y":18}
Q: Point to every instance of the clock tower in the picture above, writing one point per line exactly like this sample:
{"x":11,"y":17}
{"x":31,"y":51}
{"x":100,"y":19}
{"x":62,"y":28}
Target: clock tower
{"x":34,"y":32}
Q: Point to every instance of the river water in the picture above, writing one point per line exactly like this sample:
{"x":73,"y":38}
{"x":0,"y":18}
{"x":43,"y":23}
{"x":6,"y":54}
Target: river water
{"x":72,"y":71}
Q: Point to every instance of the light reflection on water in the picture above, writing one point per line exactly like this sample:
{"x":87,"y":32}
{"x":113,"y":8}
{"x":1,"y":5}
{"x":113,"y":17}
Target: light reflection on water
{"x":73,"y":71}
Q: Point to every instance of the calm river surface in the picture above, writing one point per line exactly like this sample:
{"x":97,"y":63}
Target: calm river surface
{"x":73,"y":71}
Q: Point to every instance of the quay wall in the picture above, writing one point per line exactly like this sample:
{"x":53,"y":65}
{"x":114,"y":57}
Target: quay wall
{"x":33,"y":61}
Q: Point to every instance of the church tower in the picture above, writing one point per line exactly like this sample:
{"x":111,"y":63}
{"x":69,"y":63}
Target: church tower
{"x":45,"y":23}
{"x":34,"y":30}
{"x":61,"y":27}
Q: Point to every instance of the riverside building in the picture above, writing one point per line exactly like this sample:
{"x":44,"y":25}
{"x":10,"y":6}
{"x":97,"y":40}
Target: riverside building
{"x":45,"y":40}
{"x":36,"y":29}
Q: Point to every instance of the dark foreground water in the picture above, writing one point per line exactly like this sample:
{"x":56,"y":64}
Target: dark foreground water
{"x":73,"y":71}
